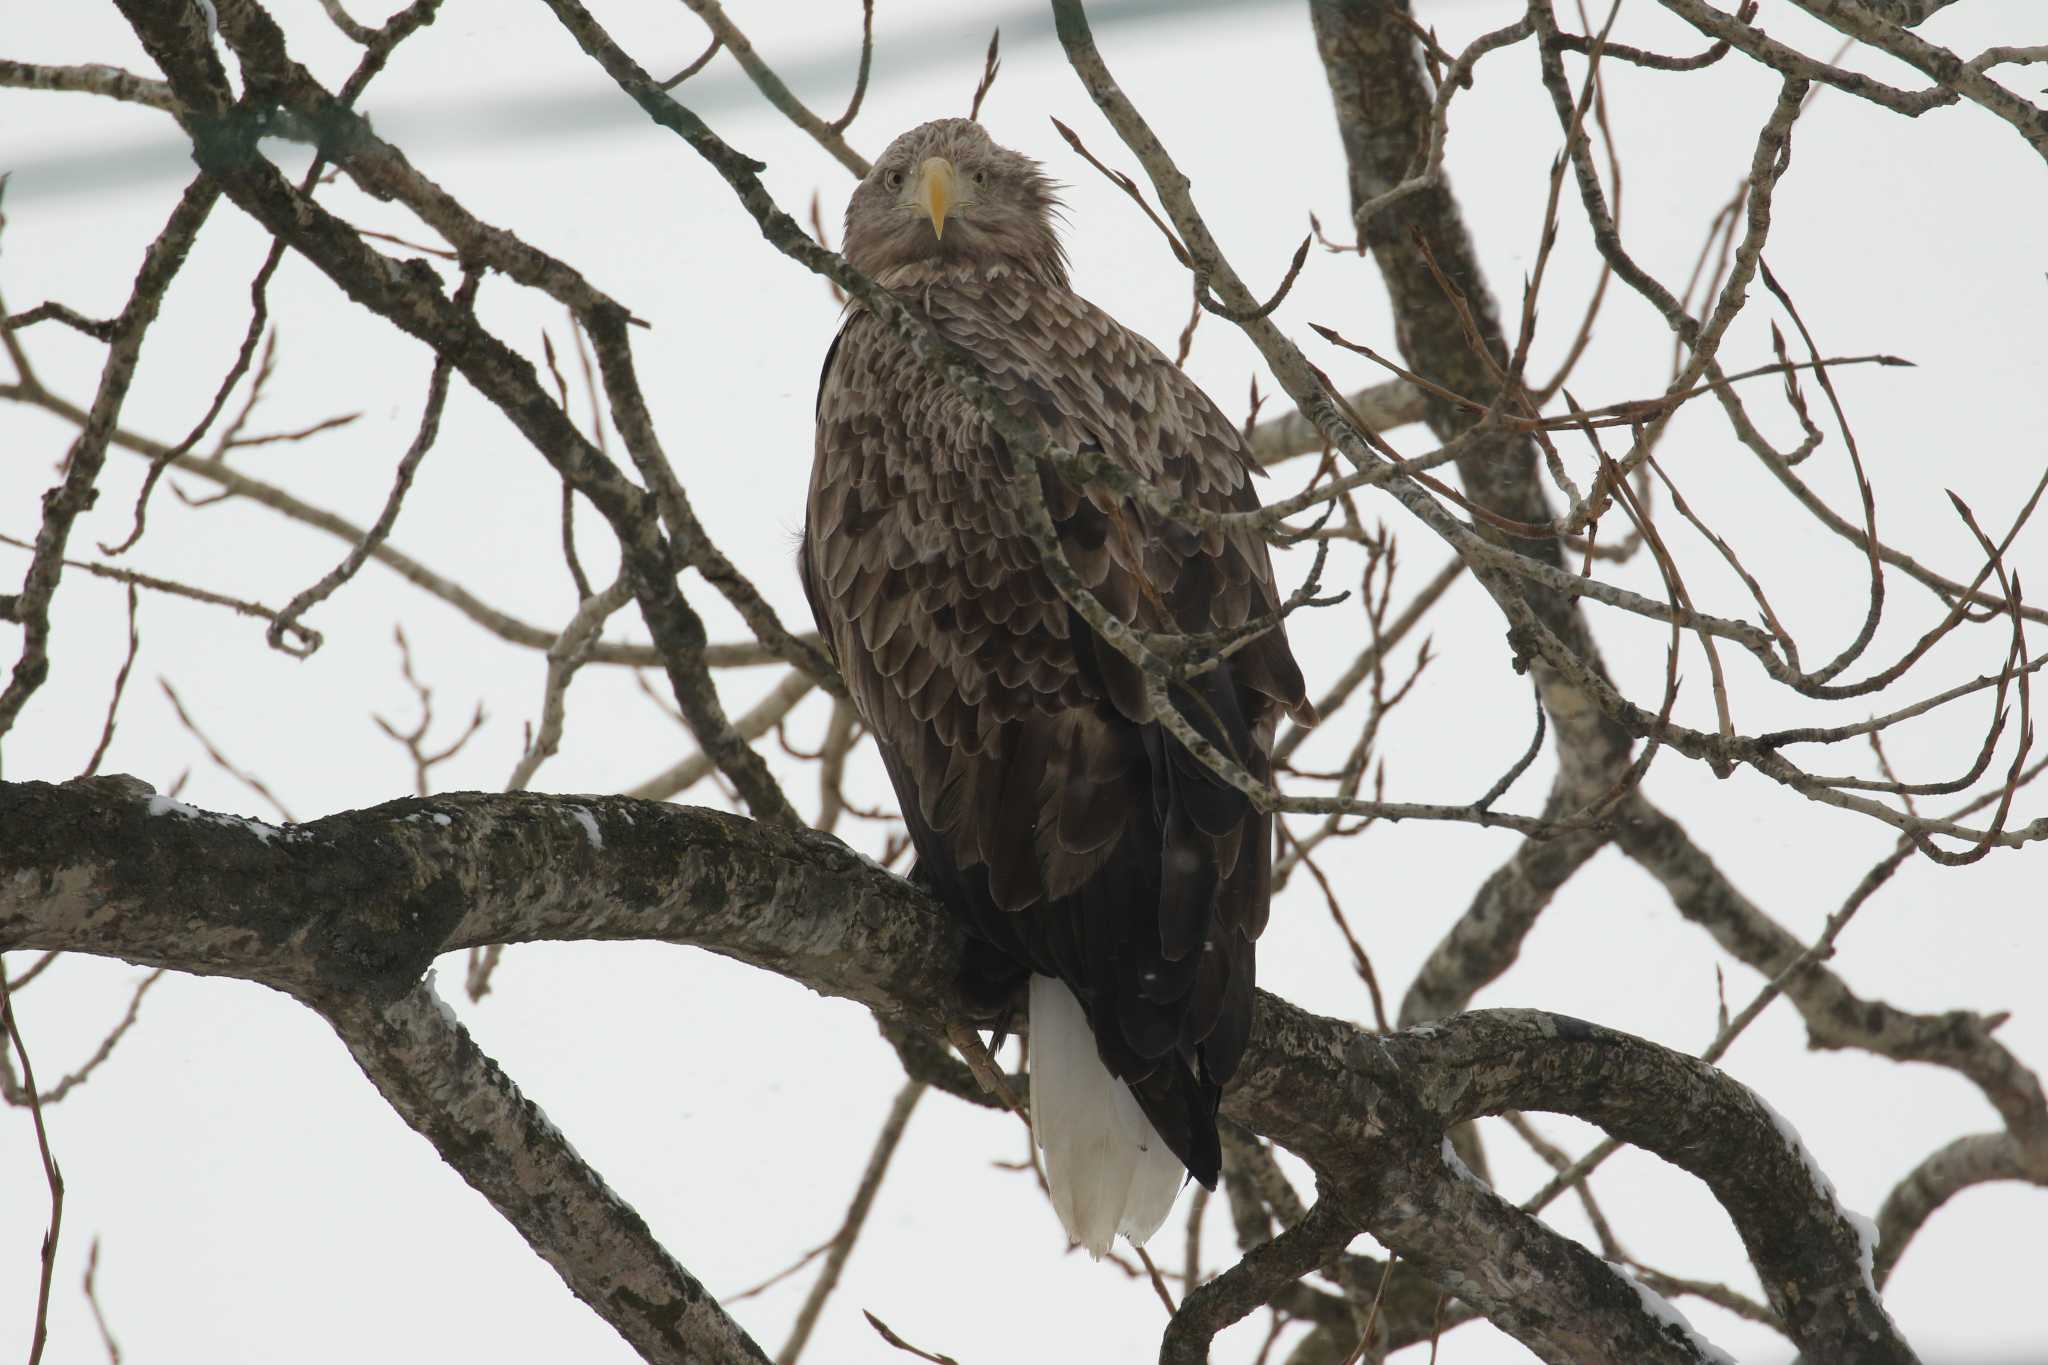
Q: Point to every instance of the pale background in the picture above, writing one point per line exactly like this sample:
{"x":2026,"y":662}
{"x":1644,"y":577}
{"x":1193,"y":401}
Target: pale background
{"x":258,"y":1202}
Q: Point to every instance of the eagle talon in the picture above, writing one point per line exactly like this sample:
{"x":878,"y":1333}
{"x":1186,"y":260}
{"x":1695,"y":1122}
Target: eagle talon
{"x":968,"y":1044}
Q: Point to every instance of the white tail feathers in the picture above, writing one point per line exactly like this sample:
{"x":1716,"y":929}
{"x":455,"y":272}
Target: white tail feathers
{"x":1108,"y":1168}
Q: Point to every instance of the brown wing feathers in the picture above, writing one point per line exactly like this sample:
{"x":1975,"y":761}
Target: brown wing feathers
{"x":1047,"y":805}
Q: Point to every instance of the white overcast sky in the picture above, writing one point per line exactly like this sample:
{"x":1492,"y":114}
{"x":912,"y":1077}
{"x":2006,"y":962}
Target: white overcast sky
{"x":254,"y":1198}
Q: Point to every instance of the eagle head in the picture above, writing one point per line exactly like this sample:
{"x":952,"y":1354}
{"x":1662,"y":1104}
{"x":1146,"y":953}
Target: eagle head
{"x":944,"y":193}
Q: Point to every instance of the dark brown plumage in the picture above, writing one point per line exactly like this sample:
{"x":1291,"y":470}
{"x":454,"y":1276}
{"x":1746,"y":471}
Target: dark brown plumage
{"x":1049,"y":809}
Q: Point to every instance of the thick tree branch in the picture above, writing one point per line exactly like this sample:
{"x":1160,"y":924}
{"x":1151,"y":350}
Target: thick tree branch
{"x":1266,"y":1270}
{"x":354,"y":907}
{"x":1812,"y":1259}
{"x":1973,"y":1160}
{"x":1487,"y":938}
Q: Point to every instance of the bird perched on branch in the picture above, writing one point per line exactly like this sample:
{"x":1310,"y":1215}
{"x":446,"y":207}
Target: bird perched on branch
{"x":1084,"y":847}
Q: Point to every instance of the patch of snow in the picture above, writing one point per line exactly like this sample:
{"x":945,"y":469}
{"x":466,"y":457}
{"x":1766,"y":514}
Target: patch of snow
{"x":1866,"y":1230}
{"x":443,"y":820}
{"x":433,"y":991}
{"x":548,"y":1125}
{"x":589,"y":823}
{"x":1457,"y":1164}
{"x":212,"y":18}
{"x":170,"y":805}
{"x":1667,"y":1316}
{"x":1791,"y":1138}
{"x":1866,"y":1245}
{"x":159,"y":804}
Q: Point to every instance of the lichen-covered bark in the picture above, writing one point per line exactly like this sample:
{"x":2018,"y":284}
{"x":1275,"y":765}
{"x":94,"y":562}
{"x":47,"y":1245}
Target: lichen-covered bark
{"x":360,"y":903}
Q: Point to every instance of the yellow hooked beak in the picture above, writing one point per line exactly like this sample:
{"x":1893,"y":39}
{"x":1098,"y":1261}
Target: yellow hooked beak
{"x":937,"y":190}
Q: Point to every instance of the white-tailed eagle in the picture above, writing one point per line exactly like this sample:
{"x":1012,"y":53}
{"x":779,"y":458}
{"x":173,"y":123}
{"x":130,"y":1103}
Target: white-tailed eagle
{"x":1082,"y":846}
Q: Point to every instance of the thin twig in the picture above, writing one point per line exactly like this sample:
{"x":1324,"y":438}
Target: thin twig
{"x":92,"y":1300}
{"x":900,"y":1344}
{"x":694,"y":67}
{"x":40,"y":1332}
{"x":841,"y":1245}
{"x":990,"y":64}
{"x":99,"y":751}
{"x":20,"y":1095}
{"x":220,"y":760}
{"x":408,"y":466}
{"x":860,"y":78}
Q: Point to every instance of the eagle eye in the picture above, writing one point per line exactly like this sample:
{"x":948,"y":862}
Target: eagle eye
{"x":894,"y":180}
